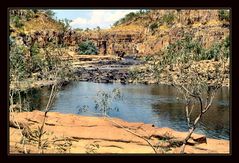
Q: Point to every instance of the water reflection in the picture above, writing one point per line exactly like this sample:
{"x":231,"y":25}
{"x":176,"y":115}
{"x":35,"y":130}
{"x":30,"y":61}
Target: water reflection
{"x":33,"y":99}
{"x":155,"y":104}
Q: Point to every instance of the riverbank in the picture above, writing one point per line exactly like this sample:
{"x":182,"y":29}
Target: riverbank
{"x":69,"y":133}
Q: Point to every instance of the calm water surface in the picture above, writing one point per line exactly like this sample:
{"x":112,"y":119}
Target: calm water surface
{"x":154,"y":104}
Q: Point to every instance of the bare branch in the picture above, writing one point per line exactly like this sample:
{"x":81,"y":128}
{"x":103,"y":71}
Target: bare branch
{"x":196,"y":96}
{"x":210,"y":103}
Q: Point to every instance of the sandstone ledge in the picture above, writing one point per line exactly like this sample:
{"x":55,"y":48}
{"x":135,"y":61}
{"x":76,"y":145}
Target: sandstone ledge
{"x":69,"y":133}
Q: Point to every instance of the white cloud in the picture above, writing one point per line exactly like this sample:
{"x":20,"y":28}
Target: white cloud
{"x":101,"y":18}
{"x":78,"y":21}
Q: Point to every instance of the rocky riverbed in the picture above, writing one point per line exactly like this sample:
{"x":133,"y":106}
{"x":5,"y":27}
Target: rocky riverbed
{"x":69,"y":133}
{"x":137,"y":71}
{"x":130,"y":69}
{"x":107,"y":71}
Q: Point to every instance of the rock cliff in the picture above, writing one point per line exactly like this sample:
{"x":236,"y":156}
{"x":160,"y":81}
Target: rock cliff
{"x":143,"y":34}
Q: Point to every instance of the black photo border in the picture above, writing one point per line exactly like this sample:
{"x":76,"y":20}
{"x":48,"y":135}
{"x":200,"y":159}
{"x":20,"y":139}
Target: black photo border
{"x":120,"y":4}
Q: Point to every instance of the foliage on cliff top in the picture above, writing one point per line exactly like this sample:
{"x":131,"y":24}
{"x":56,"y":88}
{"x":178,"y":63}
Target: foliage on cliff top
{"x":28,"y":20}
{"x":132,"y":16}
{"x":157,"y":18}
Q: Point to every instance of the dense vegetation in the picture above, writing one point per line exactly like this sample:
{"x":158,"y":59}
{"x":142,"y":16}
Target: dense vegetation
{"x":30,"y":62}
{"x":224,"y":15}
{"x":28,"y":19}
{"x":168,"y":18}
{"x":87,"y":47}
{"x":131,"y":16}
{"x":189,"y":49}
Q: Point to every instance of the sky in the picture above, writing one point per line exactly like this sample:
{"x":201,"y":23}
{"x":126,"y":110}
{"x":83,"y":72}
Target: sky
{"x":91,"y":18}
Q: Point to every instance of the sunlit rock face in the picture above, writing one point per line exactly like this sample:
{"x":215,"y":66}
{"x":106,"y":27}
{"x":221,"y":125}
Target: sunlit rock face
{"x":137,"y":36}
{"x":112,"y":135}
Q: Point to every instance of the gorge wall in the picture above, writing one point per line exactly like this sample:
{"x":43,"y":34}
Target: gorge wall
{"x":146,"y":34}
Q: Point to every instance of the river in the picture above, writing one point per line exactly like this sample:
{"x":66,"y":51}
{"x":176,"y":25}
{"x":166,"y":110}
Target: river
{"x":154,"y":104}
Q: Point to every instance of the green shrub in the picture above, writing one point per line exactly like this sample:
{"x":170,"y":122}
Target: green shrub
{"x":224,"y":15}
{"x":17,"y":17}
{"x":127,"y":18}
{"x":34,"y":49}
{"x":168,"y":18}
{"x":104,"y":100}
{"x":36,"y":59}
{"x":18,"y":67}
{"x":183,"y":50}
{"x":153,"y":26}
{"x":65,"y":23}
{"x":15,"y":20}
{"x":148,"y":58}
{"x":87,"y":47}
{"x":217,"y":49}
{"x":226,"y":47}
{"x":130,"y":16}
{"x":211,"y":53}
{"x":50,"y":13}
{"x":187,"y":49}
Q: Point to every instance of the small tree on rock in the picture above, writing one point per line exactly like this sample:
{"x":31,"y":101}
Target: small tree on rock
{"x":196,"y":81}
{"x":87,"y":47}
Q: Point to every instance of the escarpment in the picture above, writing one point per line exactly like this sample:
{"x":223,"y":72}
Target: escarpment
{"x":143,"y":35}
